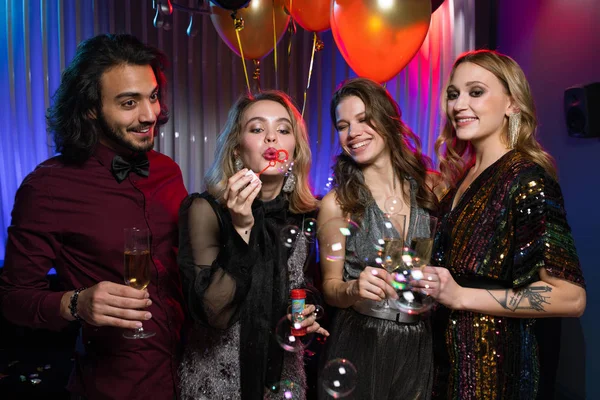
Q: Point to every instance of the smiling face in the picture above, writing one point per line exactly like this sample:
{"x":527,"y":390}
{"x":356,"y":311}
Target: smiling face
{"x":267,"y":134}
{"x":130,"y":108}
{"x":357,"y":137}
{"x":477,"y":104}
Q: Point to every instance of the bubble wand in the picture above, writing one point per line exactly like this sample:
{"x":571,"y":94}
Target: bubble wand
{"x":276,"y":159}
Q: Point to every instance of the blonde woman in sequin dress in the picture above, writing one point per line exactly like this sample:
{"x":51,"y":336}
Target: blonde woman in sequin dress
{"x":235,"y":269}
{"x":504,"y":245}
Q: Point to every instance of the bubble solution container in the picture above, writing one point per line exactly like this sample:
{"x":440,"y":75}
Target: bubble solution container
{"x":298,"y":299}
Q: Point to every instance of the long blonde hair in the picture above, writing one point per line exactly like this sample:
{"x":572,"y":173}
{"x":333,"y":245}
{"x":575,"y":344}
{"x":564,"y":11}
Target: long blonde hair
{"x":301,"y":199}
{"x":456,"y":155}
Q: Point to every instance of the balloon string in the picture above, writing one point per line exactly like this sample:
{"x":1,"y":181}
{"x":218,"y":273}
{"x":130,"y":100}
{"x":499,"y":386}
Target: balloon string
{"x":289,"y":50}
{"x":238,"y":25}
{"x":256,"y":76}
{"x":291,"y":31}
{"x":310,"y":68}
{"x":275,"y":47}
{"x":291,"y":34}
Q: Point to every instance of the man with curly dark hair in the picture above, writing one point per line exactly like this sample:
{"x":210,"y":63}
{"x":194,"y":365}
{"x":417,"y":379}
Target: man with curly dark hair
{"x":71,"y":211}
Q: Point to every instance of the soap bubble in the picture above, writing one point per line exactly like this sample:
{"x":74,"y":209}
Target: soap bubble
{"x":291,"y":336}
{"x":333,"y":236}
{"x":289,"y":234}
{"x":393,"y":205}
{"x":339,"y":378}
{"x":309,"y":228}
{"x":285,"y":390}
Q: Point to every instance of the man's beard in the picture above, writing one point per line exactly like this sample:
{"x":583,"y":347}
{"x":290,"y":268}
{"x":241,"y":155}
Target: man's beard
{"x":122,"y":140}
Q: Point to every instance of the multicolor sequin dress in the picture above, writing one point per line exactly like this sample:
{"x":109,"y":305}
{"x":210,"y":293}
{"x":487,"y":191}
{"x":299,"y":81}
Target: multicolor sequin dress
{"x":509,"y":224}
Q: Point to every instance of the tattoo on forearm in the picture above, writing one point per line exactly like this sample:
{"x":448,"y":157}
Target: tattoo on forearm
{"x":535,"y":295}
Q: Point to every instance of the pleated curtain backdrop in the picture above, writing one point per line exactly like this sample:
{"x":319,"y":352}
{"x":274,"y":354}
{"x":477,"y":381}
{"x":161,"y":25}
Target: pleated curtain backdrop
{"x":38,"y":39}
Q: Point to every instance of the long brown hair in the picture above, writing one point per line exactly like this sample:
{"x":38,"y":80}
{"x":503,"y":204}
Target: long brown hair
{"x":456,"y":155}
{"x":383,"y":115}
{"x":301,"y":199}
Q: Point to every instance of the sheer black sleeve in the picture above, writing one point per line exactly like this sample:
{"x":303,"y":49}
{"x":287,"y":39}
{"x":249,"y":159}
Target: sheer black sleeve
{"x":214,"y":261}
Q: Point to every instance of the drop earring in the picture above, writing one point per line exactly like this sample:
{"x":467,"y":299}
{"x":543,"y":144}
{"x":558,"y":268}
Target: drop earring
{"x":290,"y":182}
{"x":238,"y":164}
{"x":514,"y":125}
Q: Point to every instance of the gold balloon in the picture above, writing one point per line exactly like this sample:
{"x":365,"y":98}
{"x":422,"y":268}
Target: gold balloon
{"x":378,"y":38}
{"x":257,"y":34}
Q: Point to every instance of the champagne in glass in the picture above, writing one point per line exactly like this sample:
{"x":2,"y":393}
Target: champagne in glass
{"x":422,"y":246}
{"x":137,"y":269}
{"x":137,"y":273}
{"x":393,"y":251}
{"x":422,"y":243}
{"x":418,"y":257}
{"x":390,"y":245}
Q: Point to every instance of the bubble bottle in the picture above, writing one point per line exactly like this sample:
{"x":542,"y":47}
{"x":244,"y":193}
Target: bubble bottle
{"x":298,"y":299}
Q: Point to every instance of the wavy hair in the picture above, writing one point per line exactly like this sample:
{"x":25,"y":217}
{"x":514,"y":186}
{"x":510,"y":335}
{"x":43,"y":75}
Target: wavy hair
{"x":301,"y":199}
{"x":456,"y":155}
{"x":79,"y":95}
{"x":383,"y":115}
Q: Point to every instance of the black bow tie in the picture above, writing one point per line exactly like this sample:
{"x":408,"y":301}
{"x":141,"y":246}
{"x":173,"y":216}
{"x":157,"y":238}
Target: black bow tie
{"x":121,"y":167}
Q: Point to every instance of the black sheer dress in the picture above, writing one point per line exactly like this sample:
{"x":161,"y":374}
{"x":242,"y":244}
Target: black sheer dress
{"x":236,"y":293}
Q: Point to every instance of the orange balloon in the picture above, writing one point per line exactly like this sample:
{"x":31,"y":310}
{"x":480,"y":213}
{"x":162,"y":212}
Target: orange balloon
{"x":257,"y":35}
{"x":312,"y":15}
{"x":378,"y":38}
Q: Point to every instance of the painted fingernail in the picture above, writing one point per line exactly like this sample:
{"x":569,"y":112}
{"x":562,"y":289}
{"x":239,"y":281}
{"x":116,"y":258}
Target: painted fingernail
{"x":252,"y":175}
{"x":138,"y":324}
{"x":416,"y":274}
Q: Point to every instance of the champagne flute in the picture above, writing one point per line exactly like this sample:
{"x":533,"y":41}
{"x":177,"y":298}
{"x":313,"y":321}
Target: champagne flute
{"x":415,"y":258}
{"x":422,"y":245}
{"x":137,"y":269}
{"x":390,"y":248}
